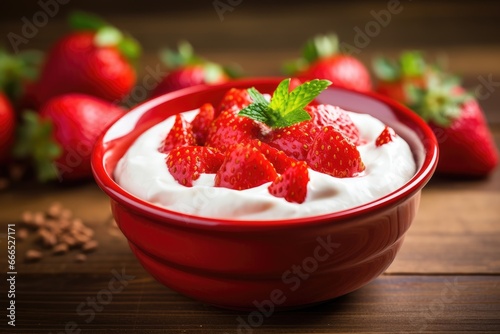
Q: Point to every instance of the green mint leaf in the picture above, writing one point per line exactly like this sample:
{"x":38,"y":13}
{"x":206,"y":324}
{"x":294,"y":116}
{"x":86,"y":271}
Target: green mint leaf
{"x":256,"y":111}
{"x":304,"y":94}
{"x":285,"y":108}
{"x":280,"y":95}
{"x":293,"y":117}
{"x":257,"y":97}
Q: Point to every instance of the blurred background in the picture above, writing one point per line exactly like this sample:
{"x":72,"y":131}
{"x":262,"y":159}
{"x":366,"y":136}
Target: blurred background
{"x":260,"y":35}
{"x":457,"y":232}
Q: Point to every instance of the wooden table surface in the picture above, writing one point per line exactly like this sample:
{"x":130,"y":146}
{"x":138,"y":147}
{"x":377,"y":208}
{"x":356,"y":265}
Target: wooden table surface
{"x":446,"y":277}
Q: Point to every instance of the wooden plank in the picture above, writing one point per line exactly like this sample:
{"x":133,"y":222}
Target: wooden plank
{"x":457,"y":304}
{"x":456,"y":229}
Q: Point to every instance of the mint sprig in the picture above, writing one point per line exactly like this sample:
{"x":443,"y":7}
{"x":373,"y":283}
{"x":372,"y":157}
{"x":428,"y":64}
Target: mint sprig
{"x":286,"y":108}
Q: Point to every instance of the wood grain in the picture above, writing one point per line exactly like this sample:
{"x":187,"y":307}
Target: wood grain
{"x":389,"y":304}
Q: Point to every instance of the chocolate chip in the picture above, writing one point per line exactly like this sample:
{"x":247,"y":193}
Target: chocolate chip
{"x":22,"y":234}
{"x":80,"y":257}
{"x":60,"y":249}
{"x":38,"y":219}
{"x":66,"y":214}
{"x":68,"y":240}
{"x":90,"y":246}
{"x":33,"y":255}
{"x":57,"y":230}
{"x":48,"y":238}
{"x":55,"y":210}
{"x":27,"y":217}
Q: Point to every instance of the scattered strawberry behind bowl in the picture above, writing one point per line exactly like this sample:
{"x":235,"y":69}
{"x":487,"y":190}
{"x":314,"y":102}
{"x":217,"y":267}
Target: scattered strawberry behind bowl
{"x":18,"y":73}
{"x":7,"y":127}
{"x":466,"y":145}
{"x":395,"y":76}
{"x":186,"y":69}
{"x":59,"y":139}
{"x":96,"y":59}
{"x":322,"y":59}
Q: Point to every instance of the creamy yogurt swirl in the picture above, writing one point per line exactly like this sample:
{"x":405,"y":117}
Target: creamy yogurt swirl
{"x":142,"y":171}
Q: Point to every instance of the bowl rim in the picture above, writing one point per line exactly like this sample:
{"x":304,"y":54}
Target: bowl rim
{"x":164,"y":215}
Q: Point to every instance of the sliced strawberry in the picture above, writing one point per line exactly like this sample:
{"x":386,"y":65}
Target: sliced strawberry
{"x":326,"y":114}
{"x":294,"y":140}
{"x":387,"y":135}
{"x":201,"y":123}
{"x":292,"y":184}
{"x":244,"y":167}
{"x":229,"y":129}
{"x":333,"y":154}
{"x":187,"y":162}
{"x":180,"y":135}
{"x":235,"y":99}
{"x":278,"y":158}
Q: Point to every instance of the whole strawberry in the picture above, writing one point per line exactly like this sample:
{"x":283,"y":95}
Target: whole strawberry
{"x":187,"y":69}
{"x":95,"y":60}
{"x":396,"y":76}
{"x":466,"y":145}
{"x":18,"y":73}
{"x":60,"y":138}
{"x":321,"y":59}
{"x":7,"y":127}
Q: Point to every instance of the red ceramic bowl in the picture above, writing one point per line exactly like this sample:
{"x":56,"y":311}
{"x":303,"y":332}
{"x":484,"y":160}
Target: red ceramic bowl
{"x":284,"y":263}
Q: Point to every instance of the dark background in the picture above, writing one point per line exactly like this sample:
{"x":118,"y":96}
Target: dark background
{"x":455,"y":237}
{"x":285,"y":25}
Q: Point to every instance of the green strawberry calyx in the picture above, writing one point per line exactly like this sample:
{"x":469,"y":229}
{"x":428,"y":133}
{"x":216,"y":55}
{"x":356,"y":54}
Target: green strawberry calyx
{"x":318,"y":47}
{"x":106,"y":35}
{"x":285,"y":108}
{"x":34,"y":142}
{"x":185,"y":56}
{"x":16,"y":70}
{"x":411,"y":64}
{"x":440,"y":101}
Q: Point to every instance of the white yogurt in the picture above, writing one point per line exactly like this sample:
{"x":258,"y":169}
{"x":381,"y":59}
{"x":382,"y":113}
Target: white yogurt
{"x":142,"y":171}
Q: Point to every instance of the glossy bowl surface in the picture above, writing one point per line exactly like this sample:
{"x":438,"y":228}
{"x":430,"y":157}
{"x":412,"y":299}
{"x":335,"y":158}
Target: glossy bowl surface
{"x":279,"y":263}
